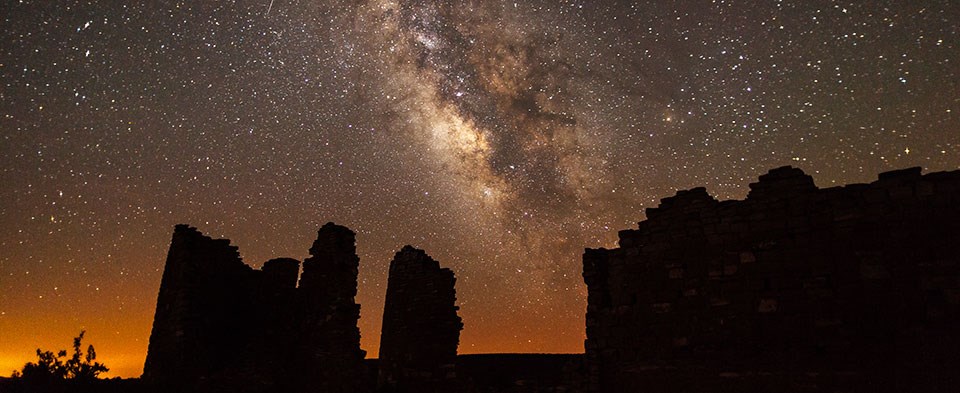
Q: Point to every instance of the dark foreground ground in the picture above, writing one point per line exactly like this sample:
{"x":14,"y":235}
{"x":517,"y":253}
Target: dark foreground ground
{"x":487,"y":373}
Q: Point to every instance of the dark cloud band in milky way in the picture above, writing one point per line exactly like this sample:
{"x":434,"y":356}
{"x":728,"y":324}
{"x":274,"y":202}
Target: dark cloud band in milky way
{"x":491,"y":97}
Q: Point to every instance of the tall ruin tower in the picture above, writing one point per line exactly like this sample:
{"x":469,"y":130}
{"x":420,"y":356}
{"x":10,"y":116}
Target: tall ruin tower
{"x":330,"y":340}
{"x":421,"y":329}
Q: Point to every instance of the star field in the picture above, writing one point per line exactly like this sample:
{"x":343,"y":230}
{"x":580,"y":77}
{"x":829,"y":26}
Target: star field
{"x":501,"y":137}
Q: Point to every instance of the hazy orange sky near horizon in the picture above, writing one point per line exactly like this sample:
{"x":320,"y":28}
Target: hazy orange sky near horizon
{"x":121,"y":336}
{"x":501,"y":137}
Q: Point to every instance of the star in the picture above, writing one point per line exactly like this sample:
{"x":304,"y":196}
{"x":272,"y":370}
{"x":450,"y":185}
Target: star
{"x":501,"y":137}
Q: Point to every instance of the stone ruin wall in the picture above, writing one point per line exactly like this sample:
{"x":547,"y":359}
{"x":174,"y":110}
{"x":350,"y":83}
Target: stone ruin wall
{"x":331,"y":358}
{"x":794,"y":289}
{"x":201,"y":296}
{"x":223,"y":326}
{"x":421,"y":329}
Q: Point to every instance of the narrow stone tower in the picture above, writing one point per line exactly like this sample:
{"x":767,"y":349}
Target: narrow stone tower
{"x":421,"y":329}
{"x":330,"y":337}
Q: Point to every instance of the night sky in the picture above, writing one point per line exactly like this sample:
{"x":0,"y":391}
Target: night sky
{"x":501,"y":137}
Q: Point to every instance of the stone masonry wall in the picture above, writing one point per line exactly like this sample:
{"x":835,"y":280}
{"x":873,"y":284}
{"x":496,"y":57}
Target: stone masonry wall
{"x":330,"y":339}
{"x":421,"y":329}
{"x":794,"y":289}
{"x":200,"y":309}
{"x":223,"y":326}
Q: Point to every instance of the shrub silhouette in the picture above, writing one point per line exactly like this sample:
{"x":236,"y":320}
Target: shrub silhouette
{"x":51,"y":368}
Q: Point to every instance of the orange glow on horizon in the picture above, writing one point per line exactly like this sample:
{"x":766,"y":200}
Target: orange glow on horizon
{"x":125,"y":350}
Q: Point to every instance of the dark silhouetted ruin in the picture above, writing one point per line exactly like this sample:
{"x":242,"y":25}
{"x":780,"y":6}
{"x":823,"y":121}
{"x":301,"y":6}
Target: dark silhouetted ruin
{"x":202,"y":309}
{"x":331,"y":338}
{"x":794,"y":289}
{"x":221,"y":325}
{"x":421,"y":329}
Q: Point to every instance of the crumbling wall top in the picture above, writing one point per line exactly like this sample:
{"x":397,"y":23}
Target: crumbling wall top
{"x":334,"y":240}
{"x":780,"y":183}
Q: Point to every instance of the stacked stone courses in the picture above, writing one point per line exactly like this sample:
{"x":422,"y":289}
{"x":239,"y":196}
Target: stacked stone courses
{"x":329,"y":351}
{"x":223,"y":326}
{"x":421,"y":329}
{"x":794,"y":289}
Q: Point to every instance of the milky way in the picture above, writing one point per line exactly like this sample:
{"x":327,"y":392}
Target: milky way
{"x":501,"y":137}
{"x":491,"y":101}
{"x":489,"y":98}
